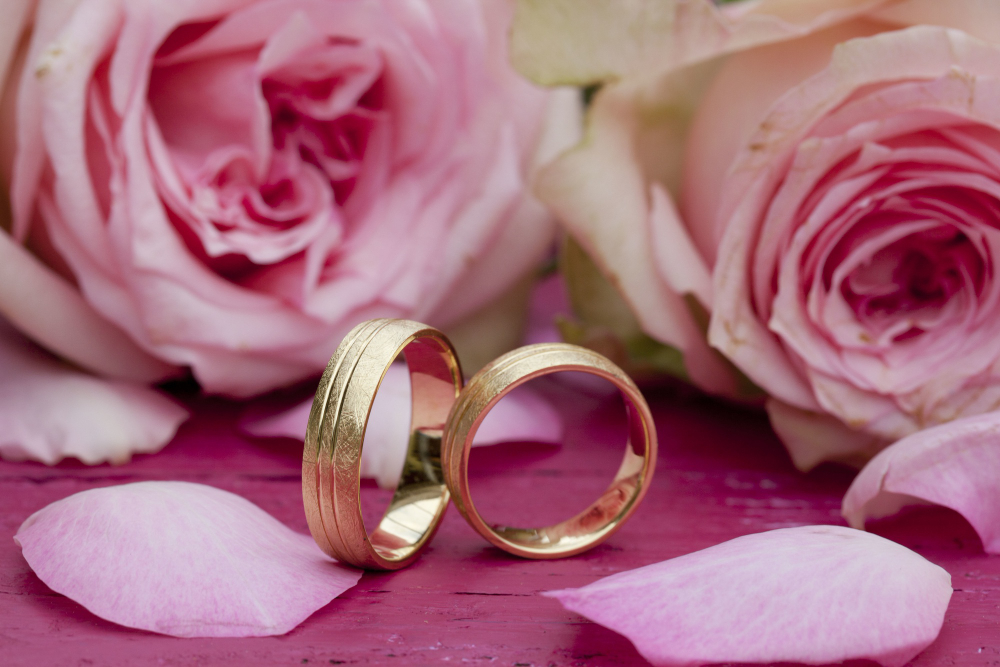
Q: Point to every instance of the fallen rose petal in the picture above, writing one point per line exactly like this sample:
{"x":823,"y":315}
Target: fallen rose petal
{"x":522,"y":416}
{"x":955,"y":465}
{"x":180,"y":559}
{"x":810,"y":594}
{"x":50,"y":411}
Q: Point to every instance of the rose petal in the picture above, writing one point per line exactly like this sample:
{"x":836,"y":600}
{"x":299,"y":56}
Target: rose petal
{"x":955,"y":465}
{"x":180,"y":559}
{"x":50,"y":411}
{"x":811,"y":594}
{"x":529,"y":235}
{"x":979,"y":19}
{"x":493,"y":329}
{"x":610,"y":211}
{"x":51,"y":311}
{"x":755,"y":234}
{"x":814,"y":437}
{"x":16,"y":17}
{"x":554,"y":42}
{"x":757,"y":78}
{"x":450,"y":158}
{"x":523,"y":416}
{"x":677,"y":258}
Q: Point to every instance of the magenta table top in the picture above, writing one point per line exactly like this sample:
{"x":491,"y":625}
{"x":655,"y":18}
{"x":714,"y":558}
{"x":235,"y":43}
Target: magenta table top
{"x":721,"y":474}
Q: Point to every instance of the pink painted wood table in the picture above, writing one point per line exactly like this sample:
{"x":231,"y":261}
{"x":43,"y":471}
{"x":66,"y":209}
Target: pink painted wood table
{"x":721,"y":474}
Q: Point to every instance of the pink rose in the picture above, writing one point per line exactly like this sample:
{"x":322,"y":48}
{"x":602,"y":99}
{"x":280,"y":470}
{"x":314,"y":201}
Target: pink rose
{"x":48,"y":409}
{"x":231,"y":185}
{"x":820,"y":177}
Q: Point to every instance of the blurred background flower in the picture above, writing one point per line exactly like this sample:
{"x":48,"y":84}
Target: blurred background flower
{"x":811,"y":189}
{"x":227,"y":187}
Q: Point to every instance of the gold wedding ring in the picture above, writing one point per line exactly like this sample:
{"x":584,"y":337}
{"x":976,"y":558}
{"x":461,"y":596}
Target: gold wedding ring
{"x":331,"y":459}
{"x":596,"y":523}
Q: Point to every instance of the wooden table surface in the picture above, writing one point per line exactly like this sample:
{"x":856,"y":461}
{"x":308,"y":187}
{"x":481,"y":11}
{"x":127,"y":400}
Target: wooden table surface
{"x":721,"y":474}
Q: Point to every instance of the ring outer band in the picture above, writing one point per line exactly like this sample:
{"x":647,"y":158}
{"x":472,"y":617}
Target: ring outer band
{"x":602,"y":518}
{"x":335,"y":436}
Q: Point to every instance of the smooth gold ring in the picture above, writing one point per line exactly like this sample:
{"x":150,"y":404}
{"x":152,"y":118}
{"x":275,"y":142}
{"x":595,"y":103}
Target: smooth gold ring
{"x":331,"y":487}
{"x":596,"y":523}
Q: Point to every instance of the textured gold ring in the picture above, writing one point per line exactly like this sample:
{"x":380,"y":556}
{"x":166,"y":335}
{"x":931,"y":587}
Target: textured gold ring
{"x":331,"y":488}
{"x":596,"y":523}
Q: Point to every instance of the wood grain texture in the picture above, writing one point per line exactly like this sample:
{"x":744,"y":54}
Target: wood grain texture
{"x":721,"y":474}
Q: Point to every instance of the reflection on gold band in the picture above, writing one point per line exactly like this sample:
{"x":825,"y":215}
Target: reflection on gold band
{"x":619,"y":500}
{"x":331,"y":459}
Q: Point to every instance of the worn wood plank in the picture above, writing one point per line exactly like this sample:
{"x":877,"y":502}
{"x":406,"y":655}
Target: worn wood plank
{"x":721,"y":474}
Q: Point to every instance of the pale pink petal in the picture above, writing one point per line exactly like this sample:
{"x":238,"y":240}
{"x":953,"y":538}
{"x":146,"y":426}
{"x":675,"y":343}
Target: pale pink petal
{"x":757,"y":78}
{"x":810,"y":594}
{"x":180,"y":559}
{"x":497,"y":328}
{"x":522,"y":416}
{"x":814,"y":437}
{"x":745,"y":268}
{"x":446,"y":167}
{"x":979,"y":18}
{"x":290,"y":423}
{"x":49,"y":19}
{"x":530,"y":233}
{"x":50,"y":411}
{"x":522,"y":243}
{"x":46,"y":307}
{"x":956,"y":465}
{"x":555,"y":43}
{"x":599,"y":192}
{"x":17,"y":15}
{"x":502,"y":195}
{"x":677,"y":258}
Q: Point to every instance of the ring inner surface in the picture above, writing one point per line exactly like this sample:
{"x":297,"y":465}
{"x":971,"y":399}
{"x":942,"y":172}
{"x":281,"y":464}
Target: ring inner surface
{"x":603,"y":515}
{"x":421,"y":495}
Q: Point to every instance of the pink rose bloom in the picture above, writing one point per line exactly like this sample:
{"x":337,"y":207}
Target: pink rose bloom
{"x":50,"y":410}
{"x":822,"y":177}
{"x":231,"y":185}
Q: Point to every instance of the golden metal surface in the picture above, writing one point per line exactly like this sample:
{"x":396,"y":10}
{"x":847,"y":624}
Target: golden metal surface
{"x":596,"y":523}
{"x":331,"y":487}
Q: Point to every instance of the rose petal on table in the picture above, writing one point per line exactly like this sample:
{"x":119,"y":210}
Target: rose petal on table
{"x":810,"y":594}
{"x":522,"y":416}
{"x":50,"y":411}
{"x":180,"y":559}
{"x":956,"y":465}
